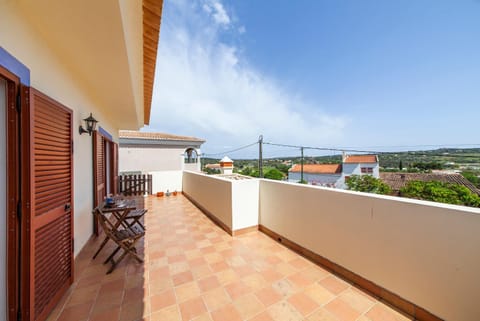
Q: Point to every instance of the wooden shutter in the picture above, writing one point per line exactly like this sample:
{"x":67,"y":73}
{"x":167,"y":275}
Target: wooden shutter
{"x":48,"y":255}
{"x":99,"y":188}
{"x":114,"y":168}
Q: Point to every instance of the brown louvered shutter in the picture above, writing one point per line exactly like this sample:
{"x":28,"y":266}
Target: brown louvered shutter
{"x":99,"y":188}
{"x":115,"y":168}
{"x":50,"y":218}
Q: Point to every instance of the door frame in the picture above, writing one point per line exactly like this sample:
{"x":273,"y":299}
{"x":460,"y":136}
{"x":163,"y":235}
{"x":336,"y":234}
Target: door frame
{"x":13,"y":238}
{"x":110,"y":149}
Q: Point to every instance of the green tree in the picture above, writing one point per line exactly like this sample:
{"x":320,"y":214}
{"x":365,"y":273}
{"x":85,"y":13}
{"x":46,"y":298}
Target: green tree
{"x":367,"y":183}
{"x":427,"y":166}
{"x":400,"y":165}
{"x":282,"y":167}
{"x":273,"y":173}
{"x":472,"y":177}
{"x":441,"y":192}
{"x":211,"y":171}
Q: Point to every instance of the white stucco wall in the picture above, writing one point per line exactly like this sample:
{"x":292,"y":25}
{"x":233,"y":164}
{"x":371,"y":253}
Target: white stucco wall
{"x":355,"y":169}
{"x":245,"y":202}
{"x":147,"y":159}
{"x":50,"y":75}
{"x":234,"y":202}
{"x":212,"y":193}
{"x":166,"y":180}
{"x":3,"y":200}
{"x":425,"y":252}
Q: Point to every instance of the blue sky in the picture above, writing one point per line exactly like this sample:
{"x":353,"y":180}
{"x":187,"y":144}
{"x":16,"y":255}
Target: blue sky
{"x":371,"y":75}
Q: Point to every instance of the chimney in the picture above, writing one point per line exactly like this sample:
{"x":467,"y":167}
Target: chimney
{"x":344,"y":156}
{"x":226,"y":165}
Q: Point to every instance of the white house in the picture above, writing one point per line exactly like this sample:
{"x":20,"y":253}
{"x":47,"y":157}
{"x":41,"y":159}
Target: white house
{"x":335,"y":175}
{"x":162,"y":155}
{"x":328,"y":175}
{"x":360,"y":165}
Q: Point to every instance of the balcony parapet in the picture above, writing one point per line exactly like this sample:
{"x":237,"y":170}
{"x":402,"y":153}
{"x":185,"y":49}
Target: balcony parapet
{"x":420,"y":256}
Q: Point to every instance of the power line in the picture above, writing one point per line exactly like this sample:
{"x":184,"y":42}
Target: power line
{"x":350,"y":149}
{"x":231,"y":151}
{"x":320,"y":148}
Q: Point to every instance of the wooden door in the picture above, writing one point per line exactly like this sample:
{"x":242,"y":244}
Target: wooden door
{"x":47,"y":239}
{"x":99,"y":182}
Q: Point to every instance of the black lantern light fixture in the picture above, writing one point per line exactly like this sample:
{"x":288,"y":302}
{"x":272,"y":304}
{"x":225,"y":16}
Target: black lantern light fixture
{"x":90,"y":123}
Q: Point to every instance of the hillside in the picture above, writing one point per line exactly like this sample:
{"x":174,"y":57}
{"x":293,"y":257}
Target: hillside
{"x":445,"y":157}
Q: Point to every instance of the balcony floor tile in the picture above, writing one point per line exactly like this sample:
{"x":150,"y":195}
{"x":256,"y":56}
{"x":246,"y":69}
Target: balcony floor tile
{"x":193,"y":270}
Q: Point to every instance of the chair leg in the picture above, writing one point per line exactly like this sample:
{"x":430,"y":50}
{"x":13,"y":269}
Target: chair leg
{"x":101,"y":247}
{"x":112,"y":255}
{"x":126,"y":250}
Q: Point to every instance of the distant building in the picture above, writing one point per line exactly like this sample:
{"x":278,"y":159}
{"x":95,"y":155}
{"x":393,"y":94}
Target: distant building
{"x":148,"y":152}
{"x":164,"y":156}
{"x":328,"y":175}
{"x":225,"y":166}
{"x":335,"y":175}
{"x":213,"y":166}
{"x":398,"y":180}
{"x":360,"y":165}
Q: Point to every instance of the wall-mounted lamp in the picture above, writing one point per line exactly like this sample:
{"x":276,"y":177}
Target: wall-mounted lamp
{"x":90,"y":123}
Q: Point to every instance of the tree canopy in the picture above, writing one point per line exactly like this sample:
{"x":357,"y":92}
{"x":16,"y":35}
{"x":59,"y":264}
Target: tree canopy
{"x":368,"y":184}
{"x":441,"y":192}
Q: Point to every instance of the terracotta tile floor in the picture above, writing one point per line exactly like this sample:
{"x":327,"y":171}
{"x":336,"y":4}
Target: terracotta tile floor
{"x":193,"y":270}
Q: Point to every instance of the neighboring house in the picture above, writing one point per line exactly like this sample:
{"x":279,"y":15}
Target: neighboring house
{"x":61,"y":61}
{"x":360,"y":165}
{"x":224,"y":167}
{"x":398,"y":180}
{"x":328,"y":175}
{"x":163,"y":155}
{"x":150,"y":152}
{"x":335,"y":175}
{"x":213,"y":166}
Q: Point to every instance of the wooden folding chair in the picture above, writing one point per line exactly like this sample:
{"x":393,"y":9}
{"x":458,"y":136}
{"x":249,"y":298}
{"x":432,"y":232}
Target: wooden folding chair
{"x":125,"y":238}
{"x":133,"y":217}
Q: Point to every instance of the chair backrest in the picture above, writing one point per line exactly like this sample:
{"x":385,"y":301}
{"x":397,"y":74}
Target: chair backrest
{"x":104,"y":222}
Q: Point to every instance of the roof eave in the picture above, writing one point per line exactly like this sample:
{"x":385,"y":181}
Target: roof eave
{"x":152,"y":15}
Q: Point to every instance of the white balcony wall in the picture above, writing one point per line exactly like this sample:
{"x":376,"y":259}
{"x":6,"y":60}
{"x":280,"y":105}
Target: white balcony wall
{"x":233,"y":202}
{"x":166,"y":180}
{"x":245,"y":195}
{"x":427,"y":253}
{"x":212,"y":193}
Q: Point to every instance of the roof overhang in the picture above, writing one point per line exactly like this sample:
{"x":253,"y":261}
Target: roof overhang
{"x":109,"y":45}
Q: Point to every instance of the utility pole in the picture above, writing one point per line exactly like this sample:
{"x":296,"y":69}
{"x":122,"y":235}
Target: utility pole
{"x":301,"y":173}
{"x":260,"y":157}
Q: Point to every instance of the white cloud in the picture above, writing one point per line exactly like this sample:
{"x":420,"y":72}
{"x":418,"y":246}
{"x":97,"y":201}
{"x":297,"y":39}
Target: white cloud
{"x":203,"y":87}
{"x":217,"y":11}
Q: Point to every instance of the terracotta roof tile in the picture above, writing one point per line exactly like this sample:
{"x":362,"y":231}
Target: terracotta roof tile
{"x":317,"y":168}
{"x":398,"y":180}
{"x":361,"y":159}
{"x":155,"y":136}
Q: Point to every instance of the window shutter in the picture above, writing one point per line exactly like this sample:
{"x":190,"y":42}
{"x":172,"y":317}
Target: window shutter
{"x":48,"y":234}
{"x":98,"y":174}
{"x":115,"y":167}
